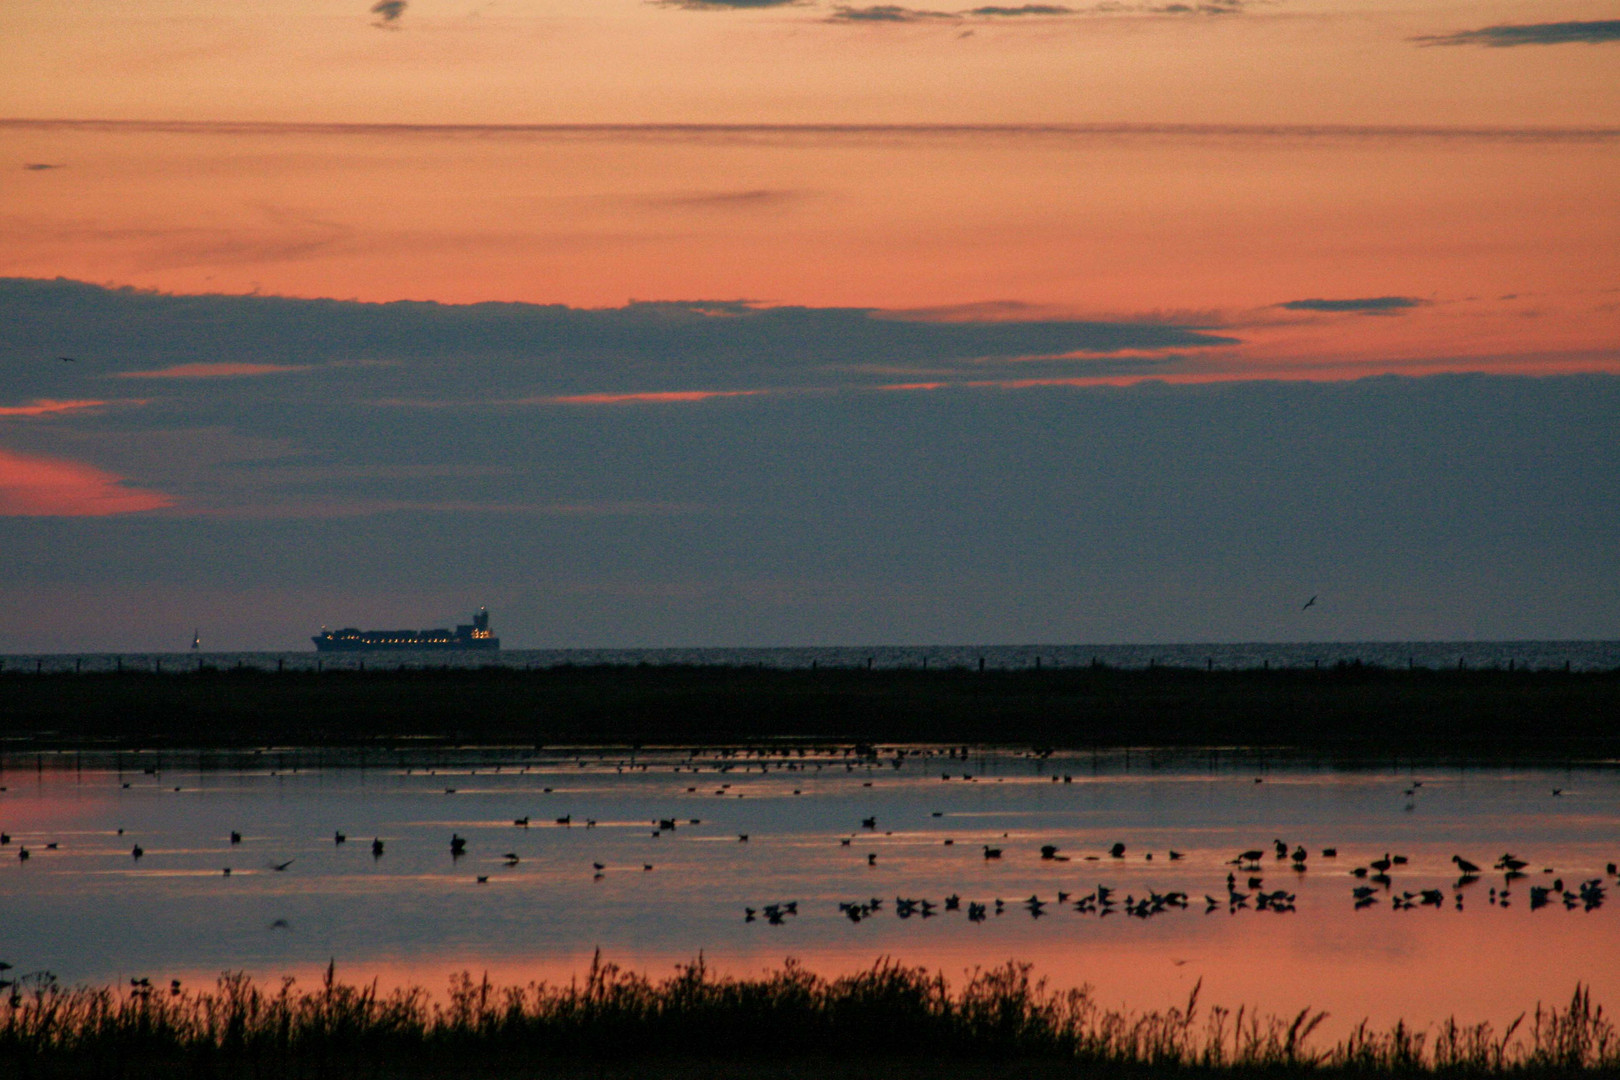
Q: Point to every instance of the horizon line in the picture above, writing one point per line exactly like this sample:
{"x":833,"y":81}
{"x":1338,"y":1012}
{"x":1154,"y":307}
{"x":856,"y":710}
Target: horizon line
{"x":1274,"y":644}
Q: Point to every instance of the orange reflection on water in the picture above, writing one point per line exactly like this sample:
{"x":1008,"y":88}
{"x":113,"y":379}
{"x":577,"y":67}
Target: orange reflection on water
{"x":1376,"y":965}
{"x":418,"y":913}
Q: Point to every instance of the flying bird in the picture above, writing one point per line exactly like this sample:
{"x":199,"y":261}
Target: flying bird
{"x":68,"y":359}
{"x":1310,"y":603}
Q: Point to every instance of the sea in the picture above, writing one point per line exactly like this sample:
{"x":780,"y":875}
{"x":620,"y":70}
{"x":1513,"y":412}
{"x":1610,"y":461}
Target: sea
{"x":1534,"y":654}
{"x":1124,"y":872}
{"x":1128,"y":873}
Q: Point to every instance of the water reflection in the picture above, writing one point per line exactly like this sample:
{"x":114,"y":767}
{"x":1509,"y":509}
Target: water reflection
{"x":656,"y":857}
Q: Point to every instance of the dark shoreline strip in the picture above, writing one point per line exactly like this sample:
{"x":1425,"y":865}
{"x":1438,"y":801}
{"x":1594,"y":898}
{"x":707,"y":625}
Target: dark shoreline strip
{"x":1350,"y":712}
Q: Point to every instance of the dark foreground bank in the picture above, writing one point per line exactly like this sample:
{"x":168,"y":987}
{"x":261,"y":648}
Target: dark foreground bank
{"x":891,"y":1020}
{"x":1348,"y":709}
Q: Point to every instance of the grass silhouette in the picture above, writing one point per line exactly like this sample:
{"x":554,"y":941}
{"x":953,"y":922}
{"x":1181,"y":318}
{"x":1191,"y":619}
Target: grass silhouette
{"x":889,"y":1020}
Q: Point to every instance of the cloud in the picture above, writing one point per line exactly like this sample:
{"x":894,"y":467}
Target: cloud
{"x":1207,"y":7}
{"x":886,"y":13}
{"x":388,"y":13}
{"x":45,"y":487}
{"x":1596,"y":32}
{"x":655,"y":398}
{"x":993,"y":12}
{"x":725,"y":200}
{"x":727,"y":5}
{"x":336,"y":509}
{"x":515,"y":351}
{"x":893,"y":13}
{"x":48,"y":407}
{"x":1364,"y":305}
{"x":211,"y":371}
{"x":1152,"y":512}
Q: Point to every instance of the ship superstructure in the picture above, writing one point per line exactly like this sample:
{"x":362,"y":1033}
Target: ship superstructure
{"x":474,"y":635}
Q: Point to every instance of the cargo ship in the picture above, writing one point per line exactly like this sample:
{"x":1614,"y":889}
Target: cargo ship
{"x":475,"y":635}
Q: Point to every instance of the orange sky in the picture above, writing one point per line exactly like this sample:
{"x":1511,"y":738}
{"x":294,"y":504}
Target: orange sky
{"x":1508,"y":245}
{"x":631,"y":61}
{"x":1326,"y":185}
{"x":1511,"y":240}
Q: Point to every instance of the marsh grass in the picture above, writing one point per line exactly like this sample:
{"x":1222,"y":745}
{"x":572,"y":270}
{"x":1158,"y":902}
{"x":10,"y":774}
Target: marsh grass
{"x":889,"y":1020}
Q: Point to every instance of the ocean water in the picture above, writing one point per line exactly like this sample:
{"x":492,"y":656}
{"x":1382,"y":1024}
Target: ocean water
{"x":1576,"y":655}
{"x":655,"y":859}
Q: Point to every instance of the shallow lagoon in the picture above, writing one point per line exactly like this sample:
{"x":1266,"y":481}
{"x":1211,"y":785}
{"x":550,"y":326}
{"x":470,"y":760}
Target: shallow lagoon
{"x":89,"y":912}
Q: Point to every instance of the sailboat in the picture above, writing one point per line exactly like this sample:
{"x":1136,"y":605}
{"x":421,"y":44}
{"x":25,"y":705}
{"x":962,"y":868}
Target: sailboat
{"x":196,"y":639}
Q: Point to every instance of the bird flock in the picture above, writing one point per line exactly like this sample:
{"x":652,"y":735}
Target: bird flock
{"x":1245,"y":887}
{"x":1246,"y":893}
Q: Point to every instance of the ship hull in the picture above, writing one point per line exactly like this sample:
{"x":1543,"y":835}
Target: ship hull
{"x":467,"y":637}
{"x":348,"y":645}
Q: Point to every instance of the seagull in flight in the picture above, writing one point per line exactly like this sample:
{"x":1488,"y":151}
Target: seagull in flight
{"x":281,"y":866}
{"x":68,"y":359}
{"x":1309,"y":603}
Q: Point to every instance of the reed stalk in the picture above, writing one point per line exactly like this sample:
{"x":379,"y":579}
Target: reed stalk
{"x":888,"y":1012}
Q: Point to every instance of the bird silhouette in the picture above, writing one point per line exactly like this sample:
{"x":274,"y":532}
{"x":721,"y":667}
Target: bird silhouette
{"x":68,"y":359}
{"x":278,"y":867}
{"x":1310,"y":603}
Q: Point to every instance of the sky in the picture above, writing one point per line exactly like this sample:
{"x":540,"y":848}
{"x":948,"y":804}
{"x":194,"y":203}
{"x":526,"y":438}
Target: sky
{"x":753,"y":323}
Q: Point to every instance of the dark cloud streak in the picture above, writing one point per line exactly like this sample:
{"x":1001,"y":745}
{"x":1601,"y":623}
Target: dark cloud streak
{"x":888,"y":13}
{"x":993,"y":12}
{"x":894,"y":13}
{"x":1596,"y":32}
{"x":388,"y":13}
{"x":1363,"y":305}
{"x":507,"y":351}
{"x":727,"y":5}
